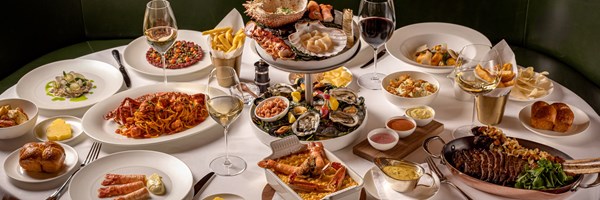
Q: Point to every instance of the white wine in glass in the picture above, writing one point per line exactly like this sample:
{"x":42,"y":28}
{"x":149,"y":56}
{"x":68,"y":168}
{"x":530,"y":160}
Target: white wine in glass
{"x":224,"y":106}
{"x":160,"y":29}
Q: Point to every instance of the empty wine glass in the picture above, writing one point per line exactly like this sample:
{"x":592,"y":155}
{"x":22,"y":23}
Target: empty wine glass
{"x":377,"y":21}
{"x":225,"y":107}
{"x":476,"y":72}
{"x":160,"y":29}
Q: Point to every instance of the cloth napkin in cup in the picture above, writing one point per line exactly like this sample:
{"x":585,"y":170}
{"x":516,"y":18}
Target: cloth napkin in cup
{"x":507,"y":56}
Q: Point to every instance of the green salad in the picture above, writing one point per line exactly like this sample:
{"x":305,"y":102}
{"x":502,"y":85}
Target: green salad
{"x":547,"y":175}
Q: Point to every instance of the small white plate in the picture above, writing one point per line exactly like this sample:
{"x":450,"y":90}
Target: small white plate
{"x":40,"y":129}
{"x":176,"y":176}
{"x":14,"y":170}
{"x":516,"y":96}
{"x":135,"y":55}
{"x":107,"y":79}
{"x":226,"y":196}
{"x":580,"y":123}
{"x":418,"y":193}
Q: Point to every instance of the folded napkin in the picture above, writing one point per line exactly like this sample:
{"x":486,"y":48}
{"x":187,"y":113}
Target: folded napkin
{"x":507,"y":56}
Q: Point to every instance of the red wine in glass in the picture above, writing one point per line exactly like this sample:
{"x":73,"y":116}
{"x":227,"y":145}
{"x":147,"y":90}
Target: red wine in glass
{"x":376,"y":30}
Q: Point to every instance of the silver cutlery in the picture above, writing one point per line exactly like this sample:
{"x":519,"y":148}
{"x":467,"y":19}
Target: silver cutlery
{"x":117,"y":56}
{"x":203,"y":183}
{"x":91,"y":156}
{"x":443,"y":178}
{"x":379,"y":55}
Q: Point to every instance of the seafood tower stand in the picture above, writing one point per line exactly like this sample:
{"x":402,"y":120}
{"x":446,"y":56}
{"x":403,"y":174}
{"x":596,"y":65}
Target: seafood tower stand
{"x":302,"y":36}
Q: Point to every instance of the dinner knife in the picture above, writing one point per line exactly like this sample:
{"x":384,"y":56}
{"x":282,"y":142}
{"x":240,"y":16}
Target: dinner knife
{"x":115,"y":54}
{"x":379,"y":55}
{"x":203,"y":183}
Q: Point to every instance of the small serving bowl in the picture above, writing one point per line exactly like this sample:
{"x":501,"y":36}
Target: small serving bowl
{"x":412,"y":113}
{"x":402,"y":133}
{"x":379,"y":145}
{"x":76,"y":129}
{"x":404,"y":185}
{"x":278,"y":115}
{"x":405,"y":102}
{"x":29,"y":108}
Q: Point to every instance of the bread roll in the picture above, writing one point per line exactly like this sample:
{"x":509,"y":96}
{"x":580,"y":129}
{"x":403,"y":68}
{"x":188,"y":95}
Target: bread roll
{"x":564,"y":117}
{"x":46,"y":157}
{"x":543,"y":116}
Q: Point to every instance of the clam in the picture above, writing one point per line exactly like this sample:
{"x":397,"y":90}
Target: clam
{"x":315,"y":39}
{"x":306,"y":124}
{"x":275,"y":13}
{"x":344,"y":118}
{"x":346,"y":95}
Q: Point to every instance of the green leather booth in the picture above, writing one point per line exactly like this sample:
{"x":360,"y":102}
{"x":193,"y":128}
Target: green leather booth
{"x":558,"y":36}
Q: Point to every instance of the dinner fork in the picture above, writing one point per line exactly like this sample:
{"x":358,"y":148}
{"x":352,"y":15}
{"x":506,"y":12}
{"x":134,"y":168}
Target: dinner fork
{"x":91,"y":156}
{"x":443,"y":178}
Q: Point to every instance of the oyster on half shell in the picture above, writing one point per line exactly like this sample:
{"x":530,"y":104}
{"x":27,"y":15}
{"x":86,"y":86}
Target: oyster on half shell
{"x":311,"y":34}
{"x":344,"y":118}
{"x":306,"y":124}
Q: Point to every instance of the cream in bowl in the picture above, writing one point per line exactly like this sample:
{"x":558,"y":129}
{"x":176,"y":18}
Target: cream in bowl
{"x":422,"y":115}
{"x":403,"y":176}
{"x":18,"y":117}
{"x":382,"y":139}
{"x":272,"y":109}
{"x":402,"y":125}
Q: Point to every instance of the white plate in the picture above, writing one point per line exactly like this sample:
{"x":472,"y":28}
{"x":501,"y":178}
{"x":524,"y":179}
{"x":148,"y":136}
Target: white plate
{"x":95,"y":126}
{"x":135,"y":55}
{"x":406,"y":40}
{"x":176,"y":176}
{"x":14,"y":171}
{"x":40,"y":129}
{"x":107,"y":79}
{"x":580,"y":123}
{"x":519,"y":97}
{"x":226,"y":196}
{"x":418,"y":193}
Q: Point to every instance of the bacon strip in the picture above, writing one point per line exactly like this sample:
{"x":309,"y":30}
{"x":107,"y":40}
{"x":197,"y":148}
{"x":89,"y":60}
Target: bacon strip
{"x":140,"y":194}
{"x":115,"y":179}
{"x":116,"y":190}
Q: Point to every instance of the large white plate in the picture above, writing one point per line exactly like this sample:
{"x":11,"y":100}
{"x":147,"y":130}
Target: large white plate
{"x":95,"y":126}
{"x":176,"y":176}
{"x":14,"y":170}
{"x":107,"y":79}
{"x":135,"y":55}
{"x":406,"y":39}
{"x":580,"y":123}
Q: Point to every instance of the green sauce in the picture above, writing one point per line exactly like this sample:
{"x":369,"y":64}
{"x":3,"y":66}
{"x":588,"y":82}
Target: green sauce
{"x":58,"y":99}
{"x":78,"y":99}
{"x":50,"y":84}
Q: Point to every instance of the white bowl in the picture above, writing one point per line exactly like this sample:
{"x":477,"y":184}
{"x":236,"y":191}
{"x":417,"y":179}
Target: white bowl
{"x":32,"y":113}
{"x":402,"y":134}
{"x":421,"y":121}
{"x":279,"y":115}
{"x":76,"y":129}
{"x":406,"y":102}
{"x":383,"y":146}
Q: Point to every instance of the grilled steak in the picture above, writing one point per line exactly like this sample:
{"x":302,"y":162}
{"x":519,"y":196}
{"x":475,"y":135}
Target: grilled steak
{"x":489,"y":166}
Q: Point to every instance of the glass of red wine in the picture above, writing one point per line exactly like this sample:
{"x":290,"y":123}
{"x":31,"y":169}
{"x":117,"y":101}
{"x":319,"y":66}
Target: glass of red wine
{"x":377,"y":21}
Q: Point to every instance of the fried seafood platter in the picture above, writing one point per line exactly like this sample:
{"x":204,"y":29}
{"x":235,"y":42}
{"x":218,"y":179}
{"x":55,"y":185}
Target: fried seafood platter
{"x":335,"y":117}
{"x":309,"y":171}
{"x":492,"y":162}
{"x":303,"y":36}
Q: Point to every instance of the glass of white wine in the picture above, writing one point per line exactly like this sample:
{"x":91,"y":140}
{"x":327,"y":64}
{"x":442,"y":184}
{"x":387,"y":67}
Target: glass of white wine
{"x":160,"y":29}
{"x":476,"y":72}
{"x":225,"y":107}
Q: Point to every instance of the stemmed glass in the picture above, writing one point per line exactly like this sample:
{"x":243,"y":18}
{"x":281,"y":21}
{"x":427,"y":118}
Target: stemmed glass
{"x":377,"y":21}
{"x":160,"y":29}
{"x":477,"y":71}
{"x":225,"y":107}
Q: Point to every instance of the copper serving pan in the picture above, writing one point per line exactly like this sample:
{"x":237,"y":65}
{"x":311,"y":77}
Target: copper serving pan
{"x":511,"y":192}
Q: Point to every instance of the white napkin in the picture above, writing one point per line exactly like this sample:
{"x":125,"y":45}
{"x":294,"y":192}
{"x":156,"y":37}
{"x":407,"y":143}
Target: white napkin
{"x":235,"y":21}
{"x":385,"y":191}
{"x":507,"y":56}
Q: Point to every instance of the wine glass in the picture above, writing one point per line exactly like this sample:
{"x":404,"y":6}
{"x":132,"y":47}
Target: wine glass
{"x":160,"y":29}
{"x":377,"y":21}
{"x":225,"y":107}
{"x":477,"y":71}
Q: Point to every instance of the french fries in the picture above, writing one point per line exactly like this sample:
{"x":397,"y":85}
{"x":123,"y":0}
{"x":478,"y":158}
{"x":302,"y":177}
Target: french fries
{"x":223,"y":39}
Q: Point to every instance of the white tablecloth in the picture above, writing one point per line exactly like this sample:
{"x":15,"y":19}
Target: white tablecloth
{"x":197,"y":151}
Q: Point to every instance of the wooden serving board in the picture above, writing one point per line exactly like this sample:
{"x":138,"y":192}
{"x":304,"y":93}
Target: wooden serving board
{"x":405,"y":145}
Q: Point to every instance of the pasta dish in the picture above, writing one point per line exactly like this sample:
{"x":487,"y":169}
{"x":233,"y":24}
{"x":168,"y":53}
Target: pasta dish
{"x":158,"y":114}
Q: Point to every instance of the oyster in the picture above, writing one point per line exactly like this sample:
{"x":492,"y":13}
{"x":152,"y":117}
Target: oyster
{"x":306,"y":124}
{"x":281,"y":89}
{"x":346,"y":95}
{"x":315,"y":39}
{"x":275,"y":13}
{"x":344,"y":118}
{"x":299,"y":110}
